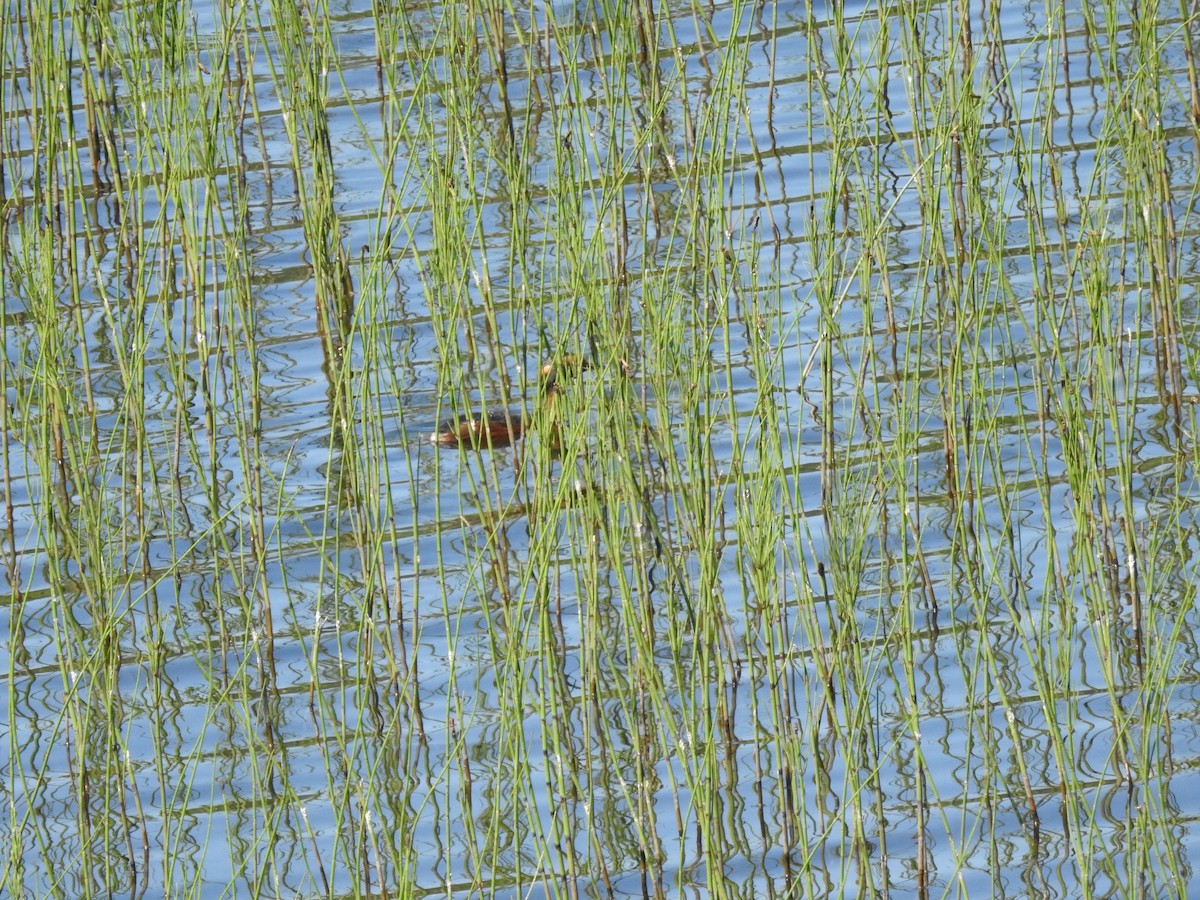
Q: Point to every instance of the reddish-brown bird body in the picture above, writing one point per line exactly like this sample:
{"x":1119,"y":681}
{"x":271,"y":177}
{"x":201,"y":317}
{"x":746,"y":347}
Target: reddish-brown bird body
{"x":505,"y":428}
{"x":499,"y":429}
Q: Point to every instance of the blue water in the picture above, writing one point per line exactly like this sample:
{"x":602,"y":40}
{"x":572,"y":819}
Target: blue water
{"x":320,"y":719}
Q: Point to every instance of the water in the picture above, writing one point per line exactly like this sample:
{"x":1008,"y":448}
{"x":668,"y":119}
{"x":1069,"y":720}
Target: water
{"x":325,"y":717}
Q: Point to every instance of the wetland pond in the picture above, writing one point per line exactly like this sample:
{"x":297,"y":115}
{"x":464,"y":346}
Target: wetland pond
{"x":851,"y":552}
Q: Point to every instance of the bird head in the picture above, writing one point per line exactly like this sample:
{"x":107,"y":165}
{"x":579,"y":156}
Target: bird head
{"x":568,"y":365}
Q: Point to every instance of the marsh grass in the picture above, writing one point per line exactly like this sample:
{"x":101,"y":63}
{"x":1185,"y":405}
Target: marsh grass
{"x":862,"y":564}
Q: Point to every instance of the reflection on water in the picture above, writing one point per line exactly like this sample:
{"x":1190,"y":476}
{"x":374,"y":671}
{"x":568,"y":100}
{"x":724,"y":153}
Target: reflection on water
{"x":262,"y":635}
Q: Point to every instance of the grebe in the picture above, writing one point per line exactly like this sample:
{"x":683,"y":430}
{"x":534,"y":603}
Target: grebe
{"x":503,"y":428}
